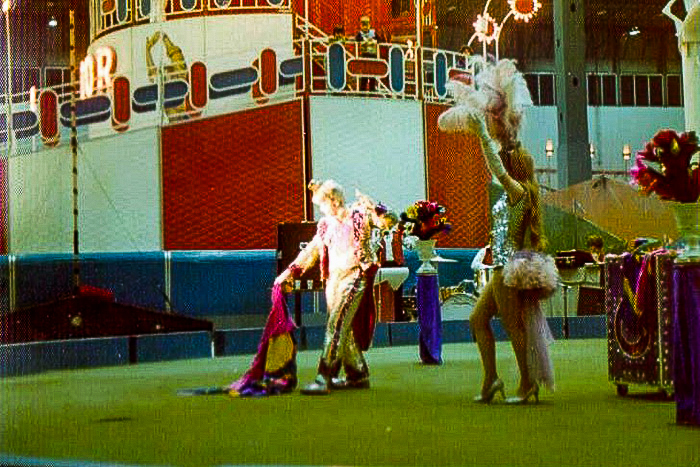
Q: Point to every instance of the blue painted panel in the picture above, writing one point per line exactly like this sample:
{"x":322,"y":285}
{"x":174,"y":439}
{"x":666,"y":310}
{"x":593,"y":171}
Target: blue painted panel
{"x":291,"y":67}
{"x":381,"y":335}
{"x":4,"y":284}
{"x":237,"y":341}
{"x":315,"y":335}
{"x":556,"y":325}
{"x":585,"y":327}
{"x":336,"y":67}
{"x":222,"y":282}
{"x":174,"y":93}
{"x":122,"y":10}
{"x":41,"y":278}
{"x":240,"y":78}
{"x":134,"y":278}
{"x":499,"y":332}
{"x":145,"y":7}
{"x":456,"y":331}
{"x":33,"y":357}
{"x":24,"y":124}
{"x":188,"y":4}
{"x":176,"y":346}
{"x":396,"y":69}
{"x":145,"y":98}
{"x":404,"y":334}
{"x":91,"y":110}
{"x":440,"y":74}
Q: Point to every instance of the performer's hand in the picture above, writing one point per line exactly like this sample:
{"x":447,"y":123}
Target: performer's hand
{"x":477,"y":125}
{"x":283,"y":277}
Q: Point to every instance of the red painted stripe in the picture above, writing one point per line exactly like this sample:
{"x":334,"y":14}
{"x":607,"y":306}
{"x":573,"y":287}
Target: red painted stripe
{"x":48,"y":114}
{"x":268,"y":71}
{"x":198,"y":85}
{"x":121,"y":112}
{"x":359,"y":66}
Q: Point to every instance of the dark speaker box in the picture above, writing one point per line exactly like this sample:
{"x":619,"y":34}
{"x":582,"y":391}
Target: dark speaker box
{"x":290,"y":237}
{"x":591,"y":301}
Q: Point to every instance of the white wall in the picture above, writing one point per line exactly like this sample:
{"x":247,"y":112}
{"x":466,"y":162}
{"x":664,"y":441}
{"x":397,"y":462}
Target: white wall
{"x":40,"y":187}
{"x":120,"y":193}
{"x":609,"y":128}
{"x":119,"y":196}
{"x":374,"y":145}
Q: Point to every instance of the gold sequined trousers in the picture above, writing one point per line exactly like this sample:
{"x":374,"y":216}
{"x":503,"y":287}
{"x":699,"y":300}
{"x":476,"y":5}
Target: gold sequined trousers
{"x":343,"y":295}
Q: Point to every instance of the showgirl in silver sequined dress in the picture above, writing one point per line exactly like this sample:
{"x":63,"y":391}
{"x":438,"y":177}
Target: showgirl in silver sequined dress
{"x":491,"y":109}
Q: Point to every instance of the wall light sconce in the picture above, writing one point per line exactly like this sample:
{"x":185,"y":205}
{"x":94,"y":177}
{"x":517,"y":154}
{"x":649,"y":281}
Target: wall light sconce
{"x":626,"y":152}
{"x":549,"y":148}
{"x":52,"y":22}
{"x":591,"y":150}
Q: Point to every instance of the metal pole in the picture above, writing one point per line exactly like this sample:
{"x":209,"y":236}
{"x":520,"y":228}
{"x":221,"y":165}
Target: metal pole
{"x":9,"y":140}
{"x":8,"y":97}
{"x":419,"y":49}
{"x":74,"y":152}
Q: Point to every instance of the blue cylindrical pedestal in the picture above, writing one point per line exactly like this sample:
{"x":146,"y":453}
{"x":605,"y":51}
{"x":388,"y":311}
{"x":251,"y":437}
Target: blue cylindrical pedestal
{"x":429,"y":319}
{"x":686,"y":342}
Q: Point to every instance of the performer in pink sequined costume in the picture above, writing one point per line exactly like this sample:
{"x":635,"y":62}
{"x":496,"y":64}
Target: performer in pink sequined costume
{"x":342,"y":245}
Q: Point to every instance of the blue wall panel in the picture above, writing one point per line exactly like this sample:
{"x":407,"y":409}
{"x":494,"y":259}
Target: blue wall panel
{"x":134,"y":278}
{"x":404,"y":333}
{"x":42,"y":278}
{"x":175,"y":346}
{"x":33,"y":357}
{"x":587,"y":327}
{"x":237,"y":341}
{"x":456,"y":331}
{"x":4,"y":284}
{"x":206,"y":283}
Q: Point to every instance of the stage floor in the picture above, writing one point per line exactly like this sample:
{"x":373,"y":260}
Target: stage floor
{"x":412,"y":415}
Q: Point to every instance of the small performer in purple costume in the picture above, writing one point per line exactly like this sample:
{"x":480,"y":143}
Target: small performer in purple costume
{"x":492,"y":109}
{"x":342,"y":245}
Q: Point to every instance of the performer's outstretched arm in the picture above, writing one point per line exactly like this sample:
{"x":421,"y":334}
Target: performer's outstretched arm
{"x":303,"y":262}
{"x":493,"y":160}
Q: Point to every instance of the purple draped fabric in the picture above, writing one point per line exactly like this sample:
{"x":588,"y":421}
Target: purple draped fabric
{"x":429,"y":319}
{"x":686,"y":342}
{"x":278,"y":322}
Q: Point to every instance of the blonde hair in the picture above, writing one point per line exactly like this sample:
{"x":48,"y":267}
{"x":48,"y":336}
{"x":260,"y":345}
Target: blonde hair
{"x":521,"y":166}
{"x":328,"y":190}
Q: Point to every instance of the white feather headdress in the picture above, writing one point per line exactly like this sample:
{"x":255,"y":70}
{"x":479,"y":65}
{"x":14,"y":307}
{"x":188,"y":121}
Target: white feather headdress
{"x":499,"y":89}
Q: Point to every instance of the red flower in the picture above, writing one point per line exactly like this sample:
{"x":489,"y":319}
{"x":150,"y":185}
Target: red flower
{"x":663,"y":167}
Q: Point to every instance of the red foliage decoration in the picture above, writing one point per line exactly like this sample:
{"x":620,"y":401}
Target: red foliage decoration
{"x":663,"y":167}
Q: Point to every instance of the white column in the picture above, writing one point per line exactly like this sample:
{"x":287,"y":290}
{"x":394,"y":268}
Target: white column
{"x":689,"y":45}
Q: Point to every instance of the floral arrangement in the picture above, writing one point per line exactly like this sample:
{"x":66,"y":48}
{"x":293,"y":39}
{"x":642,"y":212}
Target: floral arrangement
{"x":424,"y":219}
{"x":664,"y":168}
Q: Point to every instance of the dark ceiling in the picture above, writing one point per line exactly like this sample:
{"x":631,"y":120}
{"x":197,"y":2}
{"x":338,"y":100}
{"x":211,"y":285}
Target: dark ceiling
{"x":607,"y":25}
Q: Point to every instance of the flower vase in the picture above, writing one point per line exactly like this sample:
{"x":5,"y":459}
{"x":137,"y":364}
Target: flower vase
{"x":426,"y":252}
{"x":688,"y":222}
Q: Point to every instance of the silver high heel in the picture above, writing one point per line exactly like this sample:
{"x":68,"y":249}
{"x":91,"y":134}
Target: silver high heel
{"x":496,"y":386}
{"x":534,"y":391}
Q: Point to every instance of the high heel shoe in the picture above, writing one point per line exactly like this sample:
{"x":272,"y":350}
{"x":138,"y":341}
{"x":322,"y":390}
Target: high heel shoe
{"x":534,"y":391}
{"x":496,"y":386}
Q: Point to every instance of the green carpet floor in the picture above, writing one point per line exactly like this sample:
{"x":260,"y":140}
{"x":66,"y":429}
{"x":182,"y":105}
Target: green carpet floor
{"x":412,"y":415}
